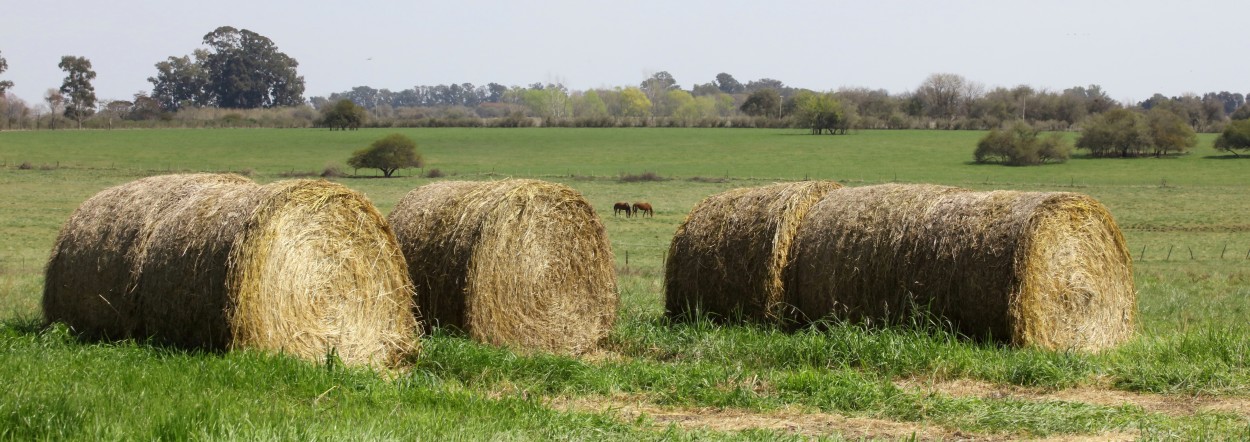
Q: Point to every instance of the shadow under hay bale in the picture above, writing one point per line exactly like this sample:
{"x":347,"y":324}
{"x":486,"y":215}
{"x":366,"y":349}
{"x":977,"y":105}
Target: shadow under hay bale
{"x":520,"y":263}
{"x":728,"y":257}
{"x":1049,"y":270}
{"x":218,"y":262}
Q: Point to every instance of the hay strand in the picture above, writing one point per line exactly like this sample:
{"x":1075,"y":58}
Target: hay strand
{"x":728,"y":257}
{"x":1034,"y":269}
{"x":218,"y":262}
{"x":519,"y":263}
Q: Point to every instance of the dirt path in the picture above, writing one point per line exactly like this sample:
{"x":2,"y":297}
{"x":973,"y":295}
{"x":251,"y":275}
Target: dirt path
{"x":790,"y":420}
{"x":1174,"y":405}
{"x":808,"y":422}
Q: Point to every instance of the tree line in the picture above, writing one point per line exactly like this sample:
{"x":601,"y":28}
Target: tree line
{"x":238,"y":70}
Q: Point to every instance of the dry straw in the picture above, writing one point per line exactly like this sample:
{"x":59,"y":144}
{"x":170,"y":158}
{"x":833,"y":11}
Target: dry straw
{"x":728,"y":257}
{"x":519,"y":263}
{"x":1049,"y":270}
{"x":218,"y":262}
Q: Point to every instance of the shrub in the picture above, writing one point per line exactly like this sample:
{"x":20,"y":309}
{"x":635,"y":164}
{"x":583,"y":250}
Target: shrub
{"x":1021,"y":145}
{"x":1236,"y":136}
{"x":332,"y":171}
{"x":645,"y":176}
{"x":1115,"y":133}
{"x":25,"y":166}
{"x":391,"y":153}
{"x":434,"y":173}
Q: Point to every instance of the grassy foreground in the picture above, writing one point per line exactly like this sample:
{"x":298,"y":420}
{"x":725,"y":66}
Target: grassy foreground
{"x":1187,"y":375}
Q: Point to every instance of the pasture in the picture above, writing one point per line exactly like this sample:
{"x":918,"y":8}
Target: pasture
{"x":1185,"y":375}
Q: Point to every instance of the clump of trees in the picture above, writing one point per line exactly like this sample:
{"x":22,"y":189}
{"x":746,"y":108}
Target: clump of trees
{"x":240,"y":69}
{"x":343,"y":116}
{"x":821,"y":113}
{"x":1019,"y":144}
{"x":389,"y":154}
{"x":1127,"y":133}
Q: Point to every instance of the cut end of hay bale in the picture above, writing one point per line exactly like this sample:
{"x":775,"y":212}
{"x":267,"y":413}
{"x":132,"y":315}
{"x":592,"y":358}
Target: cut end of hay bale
{"x":728,"y":257}
{"x":319,"y":260}
{"x":1049,"y":270}
{"x":519,"y":263}
{"x":307,"y":268}
{"x":1077,"y":287}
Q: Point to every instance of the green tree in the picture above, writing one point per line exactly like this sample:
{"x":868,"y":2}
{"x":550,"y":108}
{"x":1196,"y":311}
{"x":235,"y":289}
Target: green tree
{"x":77,"y":88}
{"x":818,"y":112}
{"x":245,"y":70}
{"x":1169,"y":134}
{"x":671,"y":101}
{"x":634,"y":103}
{"x":727,"y":84}
{"x":1115,"y":133}
{"x":1241,"y":113}
{"x":1236,"y":136}
{"x":763,"y":102}
{"x":391,"y":153}
{"x":695,"y":108}
{"x":1021,"y":145}
{"x":344,"y":115}
{"x":180,"y":81}
{"x":5,"y":84}
{"x":589,"y":105}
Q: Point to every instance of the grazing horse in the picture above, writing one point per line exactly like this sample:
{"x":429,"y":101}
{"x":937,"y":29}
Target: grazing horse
{"x":644,"y":209}
{"x":618,"y":207}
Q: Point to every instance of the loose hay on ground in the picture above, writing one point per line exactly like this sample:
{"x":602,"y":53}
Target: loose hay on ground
{"x":521,"y":263}
{"x":1030,"y":268}
{"x":218,"y":262}
{"x":728,"y":257}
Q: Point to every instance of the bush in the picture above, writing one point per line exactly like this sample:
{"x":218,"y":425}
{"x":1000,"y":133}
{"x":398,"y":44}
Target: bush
{"x":391,"y":153}
{"x":332,"y":171}
{"x":434,"y":173}
{"x":1021,"y":145}
{"x":1236,"y":136}
{"x":645,"y":176}
{"x":1115,"y":133}
{"x":25,"y":166}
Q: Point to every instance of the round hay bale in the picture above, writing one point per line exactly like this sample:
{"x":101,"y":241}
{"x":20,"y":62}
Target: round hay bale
{"x":218,"y":262}
{"x":1049,"y":270}
{"x":728,"y":257}
{"x":520,"y":263}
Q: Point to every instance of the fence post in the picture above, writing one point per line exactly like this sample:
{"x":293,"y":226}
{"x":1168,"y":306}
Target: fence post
{"x":1222,"y":251}
{"x":1169,"y":258}
{"x":1142,"y":257}
{"x":1191,"y":253}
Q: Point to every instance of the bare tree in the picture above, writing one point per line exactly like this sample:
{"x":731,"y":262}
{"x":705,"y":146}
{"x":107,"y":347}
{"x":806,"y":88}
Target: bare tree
{"x":56,"y":105}
{"x":947,"y":95}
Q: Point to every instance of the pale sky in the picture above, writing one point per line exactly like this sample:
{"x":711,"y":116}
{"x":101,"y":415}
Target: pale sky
{"x":1133,"y":49}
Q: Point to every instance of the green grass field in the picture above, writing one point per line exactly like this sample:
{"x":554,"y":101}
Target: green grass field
{"x":1187,"y":375}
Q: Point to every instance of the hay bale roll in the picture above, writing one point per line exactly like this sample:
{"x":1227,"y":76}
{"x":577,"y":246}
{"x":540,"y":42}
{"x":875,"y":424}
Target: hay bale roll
{"x":728,"y":257}
{"x":1034,"y":269}
{"x":520,"y":263}
{"x":218,"y":262}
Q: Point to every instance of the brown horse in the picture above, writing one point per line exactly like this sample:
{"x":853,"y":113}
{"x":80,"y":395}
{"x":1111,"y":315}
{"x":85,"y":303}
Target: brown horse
{"x":619,"y":206}
{"x":643,"y":208}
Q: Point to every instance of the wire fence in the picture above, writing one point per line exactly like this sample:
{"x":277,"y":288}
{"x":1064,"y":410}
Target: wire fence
{"x":1172,"y":252}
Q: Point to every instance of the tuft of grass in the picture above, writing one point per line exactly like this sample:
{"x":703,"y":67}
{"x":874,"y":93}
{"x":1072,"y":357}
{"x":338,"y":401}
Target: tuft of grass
{"x":636,"y":178}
